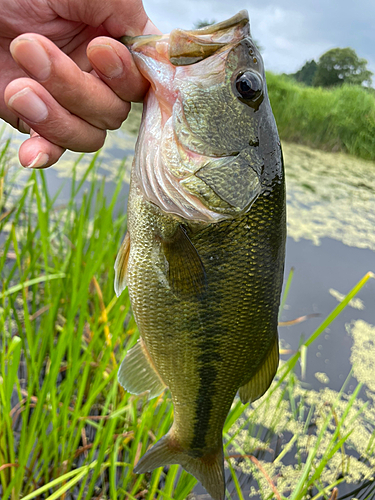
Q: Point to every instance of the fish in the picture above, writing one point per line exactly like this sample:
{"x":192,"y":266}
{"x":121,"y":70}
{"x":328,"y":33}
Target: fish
{"x":203,"y":256}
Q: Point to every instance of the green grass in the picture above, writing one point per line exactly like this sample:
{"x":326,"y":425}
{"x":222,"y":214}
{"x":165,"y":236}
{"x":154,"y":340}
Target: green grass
{"x":67,"y":429}
{"x":339,"y":119}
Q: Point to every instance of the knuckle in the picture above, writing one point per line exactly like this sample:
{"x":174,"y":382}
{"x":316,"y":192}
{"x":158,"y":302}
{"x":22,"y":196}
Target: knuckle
{"x":113,"y":119}
{"x":92,"y":142}
{"x":73,"y":134}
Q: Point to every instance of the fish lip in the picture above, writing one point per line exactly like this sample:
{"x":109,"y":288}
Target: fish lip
{"x":208,"y":39}
{"x":135,"y":42}
{"x":241,"y":18}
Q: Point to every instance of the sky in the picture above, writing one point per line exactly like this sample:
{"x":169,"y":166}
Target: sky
{"x":290,"y":32}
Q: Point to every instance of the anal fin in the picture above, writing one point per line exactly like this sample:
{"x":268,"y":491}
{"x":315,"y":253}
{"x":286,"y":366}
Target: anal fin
{"x":261,"y":381}
{"x":137,"y":373}
{"x":121,"y":265}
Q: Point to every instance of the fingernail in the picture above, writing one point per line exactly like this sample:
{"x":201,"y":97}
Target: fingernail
{"x":39,"y":161}
{"x":105,"y":59}
{"x":29,"y":105}
{"x":32,"y":57}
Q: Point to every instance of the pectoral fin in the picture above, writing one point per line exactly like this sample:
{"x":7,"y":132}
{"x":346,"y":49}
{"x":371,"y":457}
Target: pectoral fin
{"x":261,"y":381}
{"x":186,"y":273}
{"x":121,"y":266}
{"x":137,"y":373}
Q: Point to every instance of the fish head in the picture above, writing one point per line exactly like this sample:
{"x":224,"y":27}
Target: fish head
{"x":202,"y":146}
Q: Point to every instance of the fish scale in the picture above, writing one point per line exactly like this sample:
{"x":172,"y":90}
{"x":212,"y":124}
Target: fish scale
{"x":242,"y":303}
{"x":205,"y":292}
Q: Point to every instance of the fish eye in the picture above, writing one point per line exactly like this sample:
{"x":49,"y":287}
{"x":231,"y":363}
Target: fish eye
{"x":249,"y":85}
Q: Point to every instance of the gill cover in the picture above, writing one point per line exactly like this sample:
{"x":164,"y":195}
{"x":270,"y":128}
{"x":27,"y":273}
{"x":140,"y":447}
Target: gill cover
{"x":198,"y":153}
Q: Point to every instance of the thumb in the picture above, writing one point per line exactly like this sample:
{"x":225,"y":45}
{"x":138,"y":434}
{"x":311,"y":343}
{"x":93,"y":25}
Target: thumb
{"x":119,"y":17}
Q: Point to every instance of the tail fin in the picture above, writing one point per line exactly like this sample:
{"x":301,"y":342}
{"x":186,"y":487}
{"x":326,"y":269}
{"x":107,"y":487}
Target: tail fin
{"x":208,"y":469}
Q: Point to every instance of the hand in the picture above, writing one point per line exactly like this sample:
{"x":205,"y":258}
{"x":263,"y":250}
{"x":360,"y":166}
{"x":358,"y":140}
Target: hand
{"x":63,"y":80}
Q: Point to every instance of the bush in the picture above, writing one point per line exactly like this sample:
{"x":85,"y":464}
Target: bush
{"x":339,"y":119}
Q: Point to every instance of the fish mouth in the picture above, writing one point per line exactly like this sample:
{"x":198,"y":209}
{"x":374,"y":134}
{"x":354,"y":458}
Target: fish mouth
{"x":185,"y":47}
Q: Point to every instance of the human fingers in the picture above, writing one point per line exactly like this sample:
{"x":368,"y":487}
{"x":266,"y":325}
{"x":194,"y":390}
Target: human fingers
{"x":118,"y":17}
{"x":37,"y":108}
{"x":81,"y":93}
{"x":37,"y":152}
{"x":114,"y":65}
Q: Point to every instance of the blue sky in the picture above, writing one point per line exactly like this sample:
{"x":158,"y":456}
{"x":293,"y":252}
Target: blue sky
{"x":289,"y":31}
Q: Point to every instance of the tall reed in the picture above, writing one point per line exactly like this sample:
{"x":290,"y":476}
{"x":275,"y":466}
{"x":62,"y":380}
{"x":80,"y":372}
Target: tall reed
{"x":338,"y":119}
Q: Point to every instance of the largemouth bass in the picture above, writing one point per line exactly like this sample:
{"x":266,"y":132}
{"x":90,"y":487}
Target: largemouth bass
{"x":203,"y":256}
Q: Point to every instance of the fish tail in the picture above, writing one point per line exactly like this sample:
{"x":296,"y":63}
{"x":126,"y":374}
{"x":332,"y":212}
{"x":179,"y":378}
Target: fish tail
{"x":208,"y":469}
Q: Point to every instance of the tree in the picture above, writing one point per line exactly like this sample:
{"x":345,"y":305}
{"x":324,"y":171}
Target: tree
{"x":307,"y":73}
{"x":203,"y":23}
{"x":341,"y":65}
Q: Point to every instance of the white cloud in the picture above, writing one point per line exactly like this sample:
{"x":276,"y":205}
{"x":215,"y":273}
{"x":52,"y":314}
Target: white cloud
{"x":290,"y":32}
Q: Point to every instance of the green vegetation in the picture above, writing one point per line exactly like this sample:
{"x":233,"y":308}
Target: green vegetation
{"x":334,"y":68}
{"x":67,"y":430}
{"x":339,"y":119}
{"x":202,"y":23}
{"x":337,"y":114}
{"x":339,"y":66}
{"x":307,"y":73}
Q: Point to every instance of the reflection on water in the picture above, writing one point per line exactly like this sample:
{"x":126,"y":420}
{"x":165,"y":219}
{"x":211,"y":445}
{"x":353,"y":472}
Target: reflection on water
{"x":330,"y":195}
{"x":323,"y":274}
{"x":355,"y":303}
